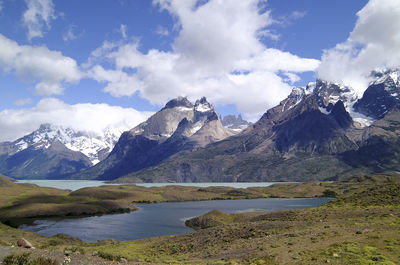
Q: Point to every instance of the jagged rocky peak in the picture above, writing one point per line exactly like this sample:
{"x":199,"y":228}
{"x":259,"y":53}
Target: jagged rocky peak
{"x":182,"y":102}
{"x":294,"y":98}
{"x":328,"y":93}
{"x":45,"y":136}
{"x":164,"y":123}
{"x":205,"y":127}
{"x":202,"y":105}
{"x":388,"y":76}
{"x":93,"y":145}
{"x":382,"y":94}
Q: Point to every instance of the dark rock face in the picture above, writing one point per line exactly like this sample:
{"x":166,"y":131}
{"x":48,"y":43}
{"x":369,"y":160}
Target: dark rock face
{"x":313,"y":131}
{"x":381,"y":96}
{"x":327,"y":94}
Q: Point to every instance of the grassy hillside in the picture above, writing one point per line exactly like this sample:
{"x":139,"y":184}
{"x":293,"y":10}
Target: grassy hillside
{"x":19,"y":202}
{"x":361,"y":227}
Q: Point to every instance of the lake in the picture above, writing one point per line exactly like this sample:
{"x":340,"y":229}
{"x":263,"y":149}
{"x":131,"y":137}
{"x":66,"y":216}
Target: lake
{"x":158,"y":219}
{"x":78,"y":184}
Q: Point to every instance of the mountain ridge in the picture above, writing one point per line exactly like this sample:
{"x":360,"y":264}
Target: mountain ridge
{"x":313,"y":134}
{"x":54,"y":151}
{"x":178,"y":126}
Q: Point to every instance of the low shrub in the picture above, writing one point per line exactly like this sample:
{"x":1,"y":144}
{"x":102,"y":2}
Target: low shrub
{"x":24,"y":259}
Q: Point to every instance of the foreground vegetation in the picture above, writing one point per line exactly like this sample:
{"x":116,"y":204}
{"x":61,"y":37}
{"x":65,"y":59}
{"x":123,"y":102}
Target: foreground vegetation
{"x":361,"y":227}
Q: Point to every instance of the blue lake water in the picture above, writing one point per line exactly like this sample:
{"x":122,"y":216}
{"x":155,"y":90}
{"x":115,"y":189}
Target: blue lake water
{"x":158,"y":219}
{"x":78,"y":184}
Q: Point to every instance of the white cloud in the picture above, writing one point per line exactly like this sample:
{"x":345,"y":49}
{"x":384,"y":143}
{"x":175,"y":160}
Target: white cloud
{"x":123,"y":29}
{"x":49,"y":69}
{"x":1,"y":5}
{"x":119,"y":83}
{"x":69,"y":34}
{"x":23,"y":101}
{"x":217,"y":54}
{"x":38,"y":16}
{"x":161,"y":31}
{"x":373,"y":43}
{"x":297,"y":14}
{"x":15,"y":123}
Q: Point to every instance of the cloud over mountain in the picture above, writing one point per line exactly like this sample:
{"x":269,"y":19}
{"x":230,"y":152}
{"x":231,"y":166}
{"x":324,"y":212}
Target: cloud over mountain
{"x":15,"y":123}
{"x":217,"y":53}
{"x":373,"y":43}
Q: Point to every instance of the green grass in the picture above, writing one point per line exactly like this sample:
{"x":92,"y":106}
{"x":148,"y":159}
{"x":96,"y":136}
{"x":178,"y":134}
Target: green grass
{"x":24,"y":259}
{"x":361,"y":227}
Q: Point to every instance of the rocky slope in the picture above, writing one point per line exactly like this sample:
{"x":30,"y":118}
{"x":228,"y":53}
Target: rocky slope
{"x":323,"y":131}
{"x":54,"y":152}
{"x":178,"y":126}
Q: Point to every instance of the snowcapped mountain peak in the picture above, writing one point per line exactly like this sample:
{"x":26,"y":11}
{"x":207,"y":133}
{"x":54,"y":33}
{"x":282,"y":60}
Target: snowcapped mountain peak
{"x":95,"y":146}
{"x":294,"y":98}
{"x":328,"y":93}
{"x":297,"y":91}
{"x":202,"y":105}
{"x":310,"y":88}
{"x":297,"y":94}
{"x":382,"y":94}
{"x":389,"y":77}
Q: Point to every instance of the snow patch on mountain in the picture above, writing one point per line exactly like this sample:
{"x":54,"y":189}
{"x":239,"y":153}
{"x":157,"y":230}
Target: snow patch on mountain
{"x":386,"y":76}
{"x":202,"y":105}
{"x":296,"y":96}
{"x":180,"y":108}
{"x":361,"y":120}
{"x":196,"y":127}
{"x":329,"y":93}
{"x":310,"y":88}
{"x":324,"y":111}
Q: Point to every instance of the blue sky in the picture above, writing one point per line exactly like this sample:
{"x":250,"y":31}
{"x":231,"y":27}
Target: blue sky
{"x":244,"y":56}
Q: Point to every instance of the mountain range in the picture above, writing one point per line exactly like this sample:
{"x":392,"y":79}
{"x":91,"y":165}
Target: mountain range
{"x":324,"y":131}
{"x":55,"y":151}
{"x":321,"y":132}
{"x":179,"y":126}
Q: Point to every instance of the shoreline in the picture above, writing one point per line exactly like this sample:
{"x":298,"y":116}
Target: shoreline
{"x":114,"y":199}
{"x":171,"y":223}
{"x":361,"y":225}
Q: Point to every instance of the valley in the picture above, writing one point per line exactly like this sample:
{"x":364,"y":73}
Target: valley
{"x":361,"y":225}
{"x":209,"y":132}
